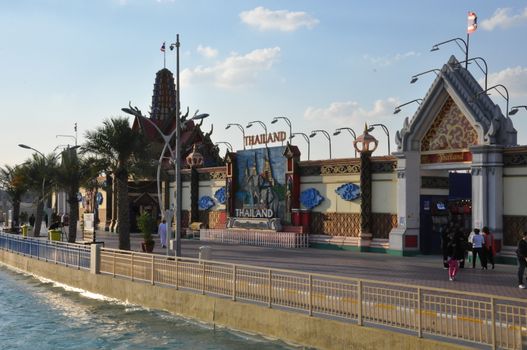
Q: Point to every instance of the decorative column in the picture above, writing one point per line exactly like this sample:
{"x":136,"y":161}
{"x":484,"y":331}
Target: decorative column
{"x":487,"y":189}
{"x":292,"y":181}
{"x":404,"y":239}
{"x":365,"y":144}
{"x":194,"y":161}
{"x":230,"y":183}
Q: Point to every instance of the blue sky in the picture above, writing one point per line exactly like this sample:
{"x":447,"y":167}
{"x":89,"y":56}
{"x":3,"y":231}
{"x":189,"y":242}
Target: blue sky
{"x":323,"y":64}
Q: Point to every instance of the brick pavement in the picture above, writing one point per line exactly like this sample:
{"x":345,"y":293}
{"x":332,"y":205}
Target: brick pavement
{"x":420,"y":270}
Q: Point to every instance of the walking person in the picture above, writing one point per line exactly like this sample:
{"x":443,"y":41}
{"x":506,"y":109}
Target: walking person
{"x":478,"y":242}
{"x":162,"y":232}
{"x":490,"y":249}
{"x":521,"y":253}
{"x":444,"y":244}
{"x":455,"y":254}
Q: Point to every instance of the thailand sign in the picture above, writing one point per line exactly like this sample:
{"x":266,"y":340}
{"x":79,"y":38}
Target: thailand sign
{"x":263,"y":139}
{"x":451,"y":157}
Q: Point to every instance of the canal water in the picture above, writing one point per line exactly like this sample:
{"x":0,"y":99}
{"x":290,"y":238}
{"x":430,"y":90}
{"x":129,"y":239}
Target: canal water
{"x":39,"y":314}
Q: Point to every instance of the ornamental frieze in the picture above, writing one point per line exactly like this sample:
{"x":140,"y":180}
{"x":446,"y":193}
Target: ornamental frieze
{"x":434,"y":182}
{"x":515,"y":160}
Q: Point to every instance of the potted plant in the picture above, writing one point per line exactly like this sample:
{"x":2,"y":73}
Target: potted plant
{"x":147,"y":225}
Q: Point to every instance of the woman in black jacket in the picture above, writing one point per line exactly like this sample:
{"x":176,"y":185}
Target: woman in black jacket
{"x":521,"y":253}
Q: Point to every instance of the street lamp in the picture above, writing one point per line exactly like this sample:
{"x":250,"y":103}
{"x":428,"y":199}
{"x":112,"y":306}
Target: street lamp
{"x":307,"y":140}
{"x":485,"y":71}
{"x":386,"y":131}
{"x":288,"y":121}
{"x":416,"y":77}
{"x":495,"y":87}
{"x":228,"y":144}
{"x":398,"y":108}
{"x":515,"y":109}
{"x":463,"y":48}
{"x":351,"y":131}
{"x":262,"y":124}
{"x":239,"y":127}
{"x":314,"y":132}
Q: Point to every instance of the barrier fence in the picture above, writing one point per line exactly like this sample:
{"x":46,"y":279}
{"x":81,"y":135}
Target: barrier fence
{"x":53,"y":251}
{"x":256,"y":238}
{"x":498,"y":322}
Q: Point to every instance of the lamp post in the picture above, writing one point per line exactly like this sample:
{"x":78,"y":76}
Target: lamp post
{"x":365,"y":144}
{"x":416,"y":76}
{"x":463,"y":48}
{"x":398,"y":108}
{"x":43,"y":178}
{"x":263,"y":126}
{"x":307,"y":140}
{"x":386,"y":131}
{"x":314,"y":132}
{"x":351,"y":131}
{"x":239,"y":127}
{"x":495,"y":87}
{"x":515,"y":109}
{"x":228,"y":144}
{"x":288,"y":121}
{"x":485,"y":71}
{"x":70,"y":136}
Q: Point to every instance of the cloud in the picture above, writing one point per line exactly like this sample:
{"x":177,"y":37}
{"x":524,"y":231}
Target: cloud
{"x":235,"y":71}
{"x":350,"y":112}
{"x":207,"y":51}
{"x":503,"y":19}
{"x":384,"y":61}
{"x":514,"y":79}
{"x":282,"y":20}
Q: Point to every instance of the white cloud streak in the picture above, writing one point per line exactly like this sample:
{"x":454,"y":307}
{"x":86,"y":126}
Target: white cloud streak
{"x":207,"y":51}
{"x":514,"y":79}
{"x":351,"y":112}
{"x":281,"y":20}
{"x":502,"y":18}
{"x":384,"y":61}
{"x":235,"y":71}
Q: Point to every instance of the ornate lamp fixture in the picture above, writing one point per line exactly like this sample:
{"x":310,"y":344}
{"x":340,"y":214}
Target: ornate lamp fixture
{"x":194,"y":159}
{"x":365,"y":143}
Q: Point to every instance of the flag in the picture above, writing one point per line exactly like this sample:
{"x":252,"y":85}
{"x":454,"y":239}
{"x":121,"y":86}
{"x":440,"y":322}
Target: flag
{"x":472,"y":22}
{"x":163,"y":47}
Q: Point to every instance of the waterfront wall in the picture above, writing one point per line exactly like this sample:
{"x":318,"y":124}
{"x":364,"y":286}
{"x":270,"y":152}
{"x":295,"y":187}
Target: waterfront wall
{"x":288,"y":326}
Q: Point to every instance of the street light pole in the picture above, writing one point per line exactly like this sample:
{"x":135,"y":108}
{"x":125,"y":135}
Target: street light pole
{"x":314,"y":132}
{"x":495,"y":87}
{"x":307,"y":140}
{"x":398,"y":108}
{"x":386,"y":131}
{"x":239,"y":127}
{"x":352,"y":132}
{"x":514,"y":109}
{"x":457,"y":41}
{"x":263,"y":126}
{"x":228,"y":144}
{"x":288,"y":121}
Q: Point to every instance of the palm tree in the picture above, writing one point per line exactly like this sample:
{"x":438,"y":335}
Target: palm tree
{"x":39,"y":173}
{"x":121,"y":148}
{"x":12,"y":181}
{"x":70,"y":175}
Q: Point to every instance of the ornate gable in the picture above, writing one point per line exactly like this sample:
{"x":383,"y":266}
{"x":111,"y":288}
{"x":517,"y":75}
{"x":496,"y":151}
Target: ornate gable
{"x":450,"y":130}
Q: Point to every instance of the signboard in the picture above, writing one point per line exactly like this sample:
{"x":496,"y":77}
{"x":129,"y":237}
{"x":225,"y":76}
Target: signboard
{"x":450,"y":157}
{"x":264,"y":139}
{"x":89,"y":222}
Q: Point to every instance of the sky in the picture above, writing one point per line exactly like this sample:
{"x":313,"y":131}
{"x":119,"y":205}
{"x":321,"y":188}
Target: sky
{"x":322,"y":64}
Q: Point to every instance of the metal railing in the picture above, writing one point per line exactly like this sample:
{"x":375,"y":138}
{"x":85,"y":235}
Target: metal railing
{"x":256,"y":238}
{"x":67,"y":254}
{"x":499,"y":322}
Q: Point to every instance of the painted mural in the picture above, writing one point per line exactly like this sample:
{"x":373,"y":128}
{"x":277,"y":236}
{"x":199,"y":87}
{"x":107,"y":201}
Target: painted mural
{"x":261,"y":183}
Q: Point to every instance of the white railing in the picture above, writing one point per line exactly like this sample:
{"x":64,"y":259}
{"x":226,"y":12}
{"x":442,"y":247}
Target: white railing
{"x":255,"y":238}
{"x":499,"y":322}
{"x":67,"y":254}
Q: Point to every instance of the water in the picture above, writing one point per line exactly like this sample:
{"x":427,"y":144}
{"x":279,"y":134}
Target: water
{"x":38,"y":314}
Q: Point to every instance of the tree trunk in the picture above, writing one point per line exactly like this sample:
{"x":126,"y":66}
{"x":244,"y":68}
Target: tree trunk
{"x":16,"y":214}
{"x":74,"y":217}
{"x":123,"y":212}
{"x":38,"y":218}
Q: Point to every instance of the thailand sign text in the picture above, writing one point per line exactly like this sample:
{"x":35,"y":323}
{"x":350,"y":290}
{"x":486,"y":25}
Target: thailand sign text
{"x":252,"y":140}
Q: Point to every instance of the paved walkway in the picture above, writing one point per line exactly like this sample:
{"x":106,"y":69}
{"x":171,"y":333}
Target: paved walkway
{"x":421,"y":270}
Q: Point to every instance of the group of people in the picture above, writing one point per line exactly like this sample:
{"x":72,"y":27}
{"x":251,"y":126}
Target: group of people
{"x":456,"y":244}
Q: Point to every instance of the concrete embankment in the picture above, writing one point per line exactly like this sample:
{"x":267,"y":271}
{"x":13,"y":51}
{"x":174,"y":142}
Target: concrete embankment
{"x":290,"y":327}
